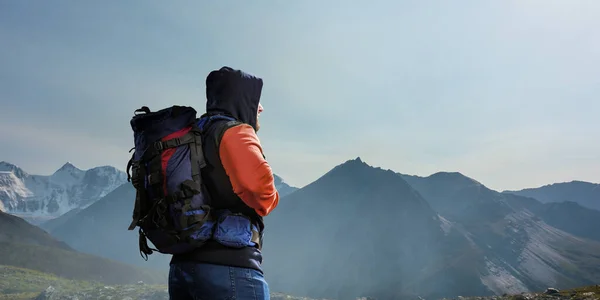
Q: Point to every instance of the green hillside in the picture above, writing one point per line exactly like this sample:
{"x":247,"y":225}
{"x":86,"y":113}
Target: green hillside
{"x":27,"y":246}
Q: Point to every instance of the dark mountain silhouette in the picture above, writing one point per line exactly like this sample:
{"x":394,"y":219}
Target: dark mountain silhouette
{"x":361,"y":231}
{"x":15,"y":230}
{"x":27,"y":246}
{"x":585,"y":193}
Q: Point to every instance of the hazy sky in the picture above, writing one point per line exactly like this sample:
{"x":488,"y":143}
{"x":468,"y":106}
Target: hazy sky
{"x":505,"y":92}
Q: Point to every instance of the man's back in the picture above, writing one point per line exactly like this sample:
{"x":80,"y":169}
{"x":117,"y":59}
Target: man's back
{"x":238,"y":179}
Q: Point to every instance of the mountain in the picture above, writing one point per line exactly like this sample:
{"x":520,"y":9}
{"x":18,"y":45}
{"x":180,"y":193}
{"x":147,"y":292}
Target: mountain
{"x":568,"y":216}
{"x":24,"y":245}
{"x":584,"y":193}
{"x":449,"y":192}
{"x":362,"y":231}
{"x":527,"y":245}
{"x":18,"y":231}
{"x":452,"y":193}
{"x":50,"y":196}
{"x":283,"y":188}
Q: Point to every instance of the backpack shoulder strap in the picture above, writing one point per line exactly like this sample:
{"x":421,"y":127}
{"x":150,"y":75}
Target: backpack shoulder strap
{"x":221,"y":128}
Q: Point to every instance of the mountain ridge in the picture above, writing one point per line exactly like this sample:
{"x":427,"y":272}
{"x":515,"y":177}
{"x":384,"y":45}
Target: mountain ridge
{"x":47,"y":196}
{"x":584,"y":193}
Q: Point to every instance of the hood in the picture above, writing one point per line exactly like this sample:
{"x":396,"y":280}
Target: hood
{"x":234,"y":93}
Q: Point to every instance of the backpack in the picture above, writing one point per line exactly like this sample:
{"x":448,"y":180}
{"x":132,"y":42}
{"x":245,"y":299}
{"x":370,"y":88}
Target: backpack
{"x":172,"y":205}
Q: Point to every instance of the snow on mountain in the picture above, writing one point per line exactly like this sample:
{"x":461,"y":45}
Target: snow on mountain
{"x":50,"y":196}
{"x":11,"y":187}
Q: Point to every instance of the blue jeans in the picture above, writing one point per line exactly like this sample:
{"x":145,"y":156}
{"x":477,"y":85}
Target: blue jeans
{"x":197,"y":281}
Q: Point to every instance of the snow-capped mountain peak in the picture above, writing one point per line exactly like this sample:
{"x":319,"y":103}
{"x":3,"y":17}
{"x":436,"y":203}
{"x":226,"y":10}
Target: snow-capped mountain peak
{"x":67,"y":175}
{"x":8,"y":167}
{"x":67,"y":188}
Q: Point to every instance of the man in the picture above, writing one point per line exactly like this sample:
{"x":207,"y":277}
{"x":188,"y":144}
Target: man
{"x":239,"y":179}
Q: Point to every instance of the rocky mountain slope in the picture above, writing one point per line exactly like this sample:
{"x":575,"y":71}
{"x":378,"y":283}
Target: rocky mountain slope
{"x":584,"y":193}
{"x":521,"y":250}
{"x":453,"y":195}
{"x":50,"y":196}
{"x":27,"y":246}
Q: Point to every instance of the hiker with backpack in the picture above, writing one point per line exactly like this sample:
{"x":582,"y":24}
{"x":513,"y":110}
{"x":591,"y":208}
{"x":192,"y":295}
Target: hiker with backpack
{"x":203,"y":186}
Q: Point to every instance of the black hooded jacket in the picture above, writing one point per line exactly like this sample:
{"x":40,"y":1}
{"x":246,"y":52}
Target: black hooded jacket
{"x":236,"y":94}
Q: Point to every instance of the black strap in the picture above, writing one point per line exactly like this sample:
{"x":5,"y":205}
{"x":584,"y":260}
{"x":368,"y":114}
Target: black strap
{"x":175,"y":142}
{"x":220,"y":131}
{"x":157,"y":147}
{"x":145,"y":250}
{"x":197,"y":156}
{"x":129,"y":163}
{"x":137,"y":180}
{"x":144,"y":109}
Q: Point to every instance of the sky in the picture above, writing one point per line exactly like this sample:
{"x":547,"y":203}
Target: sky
{"x":505,"y":92}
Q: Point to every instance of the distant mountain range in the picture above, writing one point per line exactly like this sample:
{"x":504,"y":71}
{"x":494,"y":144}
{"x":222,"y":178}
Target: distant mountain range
{"x":584,"y":193}
{"x":365,"y":231}
{"x":50,"y":196}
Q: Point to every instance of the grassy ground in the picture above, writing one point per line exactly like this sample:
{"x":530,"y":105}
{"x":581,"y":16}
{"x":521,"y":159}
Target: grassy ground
{"x":20,"y":284}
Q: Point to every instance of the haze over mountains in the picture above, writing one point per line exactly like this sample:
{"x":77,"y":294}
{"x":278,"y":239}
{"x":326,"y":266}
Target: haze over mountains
{"x":365,"y":231}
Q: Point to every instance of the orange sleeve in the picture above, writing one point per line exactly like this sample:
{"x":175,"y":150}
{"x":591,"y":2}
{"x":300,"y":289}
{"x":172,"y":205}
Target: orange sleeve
{"x":250,"y":174}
